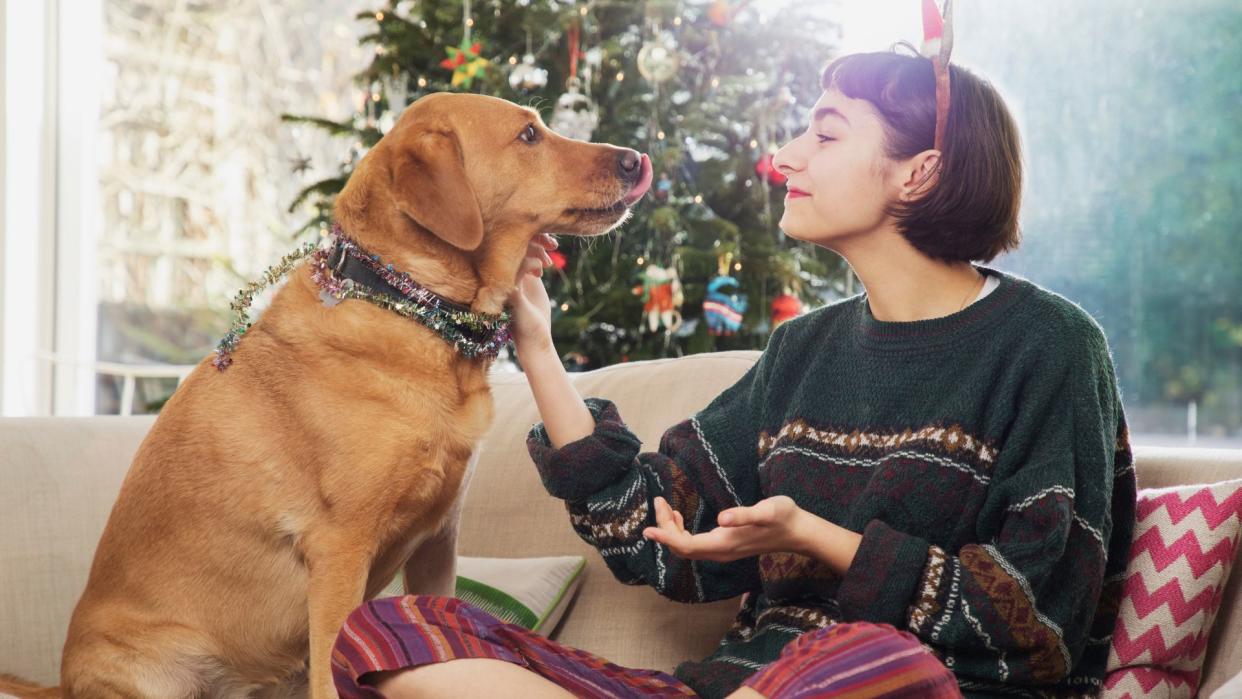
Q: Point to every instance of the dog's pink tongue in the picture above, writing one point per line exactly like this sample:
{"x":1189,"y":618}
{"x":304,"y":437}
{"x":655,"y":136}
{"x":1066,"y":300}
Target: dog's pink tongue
{"x":644,"y":183}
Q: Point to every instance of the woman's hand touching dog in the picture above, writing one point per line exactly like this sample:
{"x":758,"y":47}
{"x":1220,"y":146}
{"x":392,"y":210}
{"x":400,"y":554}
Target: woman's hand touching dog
{"x":532,"y":312}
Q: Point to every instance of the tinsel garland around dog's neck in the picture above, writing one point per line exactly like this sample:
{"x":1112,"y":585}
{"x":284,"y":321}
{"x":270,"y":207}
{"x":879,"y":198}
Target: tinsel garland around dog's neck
{"x":344,"y":270}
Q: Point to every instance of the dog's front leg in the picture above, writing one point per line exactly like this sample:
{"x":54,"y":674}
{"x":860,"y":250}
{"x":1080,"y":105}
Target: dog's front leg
{"x":337,"y":570}
{"x":432,"y":568}
{"x":498,"y":272}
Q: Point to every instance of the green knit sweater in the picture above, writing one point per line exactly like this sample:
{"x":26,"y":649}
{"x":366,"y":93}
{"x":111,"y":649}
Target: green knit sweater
{"x":983,"y":456}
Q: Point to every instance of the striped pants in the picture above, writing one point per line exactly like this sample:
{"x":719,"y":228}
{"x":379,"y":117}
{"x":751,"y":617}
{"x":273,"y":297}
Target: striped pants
{"x":843,"y":660}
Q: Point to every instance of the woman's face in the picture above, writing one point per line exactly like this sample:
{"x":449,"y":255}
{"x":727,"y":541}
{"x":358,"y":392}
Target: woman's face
{"x":838,"y":172}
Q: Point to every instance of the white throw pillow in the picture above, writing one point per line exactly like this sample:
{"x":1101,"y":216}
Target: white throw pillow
{"x":530,"y":592}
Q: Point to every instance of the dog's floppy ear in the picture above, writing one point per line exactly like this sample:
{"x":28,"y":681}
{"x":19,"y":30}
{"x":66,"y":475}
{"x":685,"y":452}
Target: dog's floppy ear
{"x":428,"y":176}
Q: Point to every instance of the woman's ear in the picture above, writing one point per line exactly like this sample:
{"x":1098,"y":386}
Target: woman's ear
{"x":919,"y":175}
{"x":427,"y":176}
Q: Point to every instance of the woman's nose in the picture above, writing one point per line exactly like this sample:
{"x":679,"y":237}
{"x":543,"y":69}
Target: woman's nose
{"x":784,"y":160}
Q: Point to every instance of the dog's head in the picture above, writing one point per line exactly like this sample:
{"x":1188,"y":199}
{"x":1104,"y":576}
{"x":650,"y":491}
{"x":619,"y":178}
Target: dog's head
{"x":462,"y":164}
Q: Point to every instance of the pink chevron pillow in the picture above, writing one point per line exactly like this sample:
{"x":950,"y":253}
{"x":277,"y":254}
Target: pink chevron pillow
{"x":1185,"y":541}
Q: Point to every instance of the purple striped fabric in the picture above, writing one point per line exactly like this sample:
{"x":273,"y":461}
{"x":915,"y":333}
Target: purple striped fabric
{"x":855,"y":660}
{"x":844,"y":660}
{"x":409,"y":631}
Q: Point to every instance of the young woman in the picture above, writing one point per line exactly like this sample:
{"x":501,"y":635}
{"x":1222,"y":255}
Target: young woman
{"x":922,"y":489}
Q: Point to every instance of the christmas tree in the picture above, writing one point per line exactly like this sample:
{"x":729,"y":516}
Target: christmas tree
{"x":708,"y":89}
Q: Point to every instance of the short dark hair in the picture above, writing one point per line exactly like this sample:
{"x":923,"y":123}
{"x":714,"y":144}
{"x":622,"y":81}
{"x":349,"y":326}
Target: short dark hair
{"x":972,"y":211}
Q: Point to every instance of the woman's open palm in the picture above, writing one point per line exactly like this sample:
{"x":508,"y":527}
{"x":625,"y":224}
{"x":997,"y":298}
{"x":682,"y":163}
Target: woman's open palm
{"x":765,"y":527}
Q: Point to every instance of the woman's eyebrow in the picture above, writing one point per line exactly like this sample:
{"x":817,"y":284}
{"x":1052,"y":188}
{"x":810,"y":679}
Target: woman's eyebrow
{"x":830,"y":111}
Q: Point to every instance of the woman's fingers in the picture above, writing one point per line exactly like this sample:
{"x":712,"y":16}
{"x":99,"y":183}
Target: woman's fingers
{"x":665,"y":515}
{"x":541,"y":244}
{"x":530,"y":265}
{"x":761,"y":513}
{"x":670,"y":529}
{"x":538,"y":254}
{"x":668,"y":520}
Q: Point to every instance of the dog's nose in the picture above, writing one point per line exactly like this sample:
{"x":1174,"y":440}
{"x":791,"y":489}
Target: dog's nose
{"x":629,"y":162}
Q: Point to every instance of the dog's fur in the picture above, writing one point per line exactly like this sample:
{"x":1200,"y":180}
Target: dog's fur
{"x":271,"y":499}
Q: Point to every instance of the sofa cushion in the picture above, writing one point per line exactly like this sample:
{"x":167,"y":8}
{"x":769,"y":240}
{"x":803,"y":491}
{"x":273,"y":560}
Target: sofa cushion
{"x":1185,"y":542}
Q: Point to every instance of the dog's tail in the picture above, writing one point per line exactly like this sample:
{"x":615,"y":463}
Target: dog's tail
{"x":22,"y":689}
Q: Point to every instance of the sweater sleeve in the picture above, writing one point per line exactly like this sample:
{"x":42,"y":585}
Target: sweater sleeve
{"x":705,"y":464}
{"x":1025,"y":603}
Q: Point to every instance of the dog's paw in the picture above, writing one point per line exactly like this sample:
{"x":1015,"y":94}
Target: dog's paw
{"x":490,"y":299}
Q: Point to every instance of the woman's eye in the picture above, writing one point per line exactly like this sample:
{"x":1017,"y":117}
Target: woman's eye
{"x":824,"y":139}
{"x":529,"y":134}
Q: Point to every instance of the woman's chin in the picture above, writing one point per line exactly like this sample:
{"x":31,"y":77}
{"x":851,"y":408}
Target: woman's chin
{"x":792,"y":227}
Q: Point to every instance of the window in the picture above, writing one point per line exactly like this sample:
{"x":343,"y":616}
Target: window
{"x":171,"y":175}
{"x":1129,"y":113}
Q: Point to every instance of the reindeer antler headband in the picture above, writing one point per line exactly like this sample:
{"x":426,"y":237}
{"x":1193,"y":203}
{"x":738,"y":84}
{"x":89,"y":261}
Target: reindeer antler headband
{"x":937,"y":45}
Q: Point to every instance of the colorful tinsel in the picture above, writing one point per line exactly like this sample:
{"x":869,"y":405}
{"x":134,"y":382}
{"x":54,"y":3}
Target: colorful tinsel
{"x":241,"y":304}
{"x":471,"y":334}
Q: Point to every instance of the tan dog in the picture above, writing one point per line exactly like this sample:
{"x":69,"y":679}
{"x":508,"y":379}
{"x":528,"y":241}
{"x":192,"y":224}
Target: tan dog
{"x":271,"y":499}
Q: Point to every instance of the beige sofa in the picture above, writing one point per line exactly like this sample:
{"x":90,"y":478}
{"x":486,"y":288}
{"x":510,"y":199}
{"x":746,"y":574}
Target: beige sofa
{"x":59,"y":476}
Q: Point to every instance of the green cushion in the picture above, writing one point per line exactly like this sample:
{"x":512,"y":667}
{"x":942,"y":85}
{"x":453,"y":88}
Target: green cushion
{"x":530,"y":592}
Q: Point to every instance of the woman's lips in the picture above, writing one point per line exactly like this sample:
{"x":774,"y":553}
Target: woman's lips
{"x":794,"y":193}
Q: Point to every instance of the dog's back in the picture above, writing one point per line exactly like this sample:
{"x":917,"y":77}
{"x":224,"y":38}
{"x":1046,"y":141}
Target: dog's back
{"x":190,"y":557}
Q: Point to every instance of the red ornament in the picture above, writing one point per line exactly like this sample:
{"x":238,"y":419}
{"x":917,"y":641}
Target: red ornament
{"x":765,"y":169}
{"x":558,"y":259}
{"x":784,"y":307}
{"x":721,"y":13}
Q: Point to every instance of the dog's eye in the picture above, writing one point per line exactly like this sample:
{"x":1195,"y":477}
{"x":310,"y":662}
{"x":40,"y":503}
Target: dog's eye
{"x":529,"y":134}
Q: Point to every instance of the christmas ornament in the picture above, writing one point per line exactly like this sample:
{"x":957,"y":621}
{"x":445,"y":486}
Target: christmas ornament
{"x":662,"y":297}
{"x":767,"y":170}
{"x":558,"y":260}
{"x":527,"y":76}
{"x":658,"y":59}
{"x":465,"y":63}
{"x":663,"y":186}
{"x":723,"y":306}
{"x":784,"y":307}
{"x":575,"y":115}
